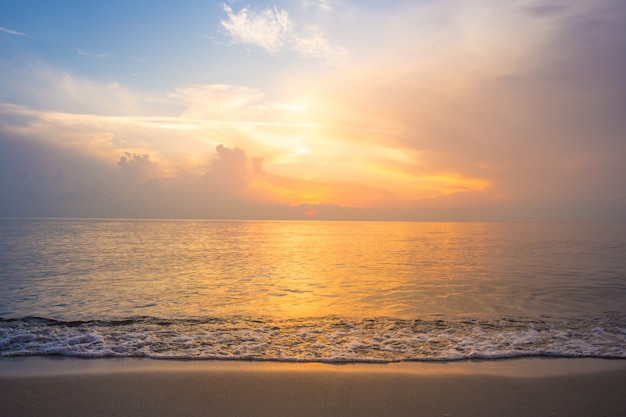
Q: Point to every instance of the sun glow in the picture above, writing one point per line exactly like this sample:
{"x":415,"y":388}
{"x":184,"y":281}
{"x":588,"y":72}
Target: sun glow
{"x":379,"y":192}
{"x":393,"y":107}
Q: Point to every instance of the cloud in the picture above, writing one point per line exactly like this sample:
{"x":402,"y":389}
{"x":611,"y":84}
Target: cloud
{"x":219,"y":101}
{"x":39,"y":178}
{"x":229,"y":171}
{"x":528,"y":122}
{"x":269,"y":29}
{"x":311,"y":191}
{"x":105,"y":120}
{"x":11,"y":32}
{"x":273,"y":30}
{"x":39,"y":86}
{"x":91,"y":54}
{"x":447,"y":110}
{"x":312,"y":43}
{"x":322,"y":4}
{"x":546,"y":9}
{"x":138,"y":166}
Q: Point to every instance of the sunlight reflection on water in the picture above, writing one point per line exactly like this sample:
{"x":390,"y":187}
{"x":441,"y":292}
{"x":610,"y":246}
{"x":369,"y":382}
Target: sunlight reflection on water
{"x":116,"y":268}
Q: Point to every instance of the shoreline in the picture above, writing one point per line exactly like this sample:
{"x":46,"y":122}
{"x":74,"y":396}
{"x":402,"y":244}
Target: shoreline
{"x":524,"y":367}
{"x":62,"y":386}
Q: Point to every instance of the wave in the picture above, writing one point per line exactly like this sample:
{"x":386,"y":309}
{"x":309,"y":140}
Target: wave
{"x":322,"y":339}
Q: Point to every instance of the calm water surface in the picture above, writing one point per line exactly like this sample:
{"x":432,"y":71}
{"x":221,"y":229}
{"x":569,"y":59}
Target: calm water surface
{"x":302,"y":277}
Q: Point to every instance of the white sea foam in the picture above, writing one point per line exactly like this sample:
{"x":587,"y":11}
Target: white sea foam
{"x":326,"y":339}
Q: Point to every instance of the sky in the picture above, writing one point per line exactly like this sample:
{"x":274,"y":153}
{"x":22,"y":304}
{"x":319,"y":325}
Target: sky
{"x":423,"y":110}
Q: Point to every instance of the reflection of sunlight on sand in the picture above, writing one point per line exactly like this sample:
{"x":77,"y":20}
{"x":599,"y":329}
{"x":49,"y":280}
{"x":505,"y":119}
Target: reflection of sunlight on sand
{"x":521,"y":368}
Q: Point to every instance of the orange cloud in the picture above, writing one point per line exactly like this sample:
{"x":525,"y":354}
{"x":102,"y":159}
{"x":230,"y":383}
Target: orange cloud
{"x":296,"y":191}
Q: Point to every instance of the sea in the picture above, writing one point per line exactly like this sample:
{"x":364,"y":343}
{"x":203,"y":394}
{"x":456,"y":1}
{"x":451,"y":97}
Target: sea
{"x":311,"y":291}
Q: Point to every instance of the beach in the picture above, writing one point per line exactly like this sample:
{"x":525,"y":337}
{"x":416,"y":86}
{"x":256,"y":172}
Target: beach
{"x":144,"y":387}
{"x":255,"y":318}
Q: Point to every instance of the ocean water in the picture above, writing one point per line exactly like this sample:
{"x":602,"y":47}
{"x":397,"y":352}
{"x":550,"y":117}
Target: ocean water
{"x":311,"y":291}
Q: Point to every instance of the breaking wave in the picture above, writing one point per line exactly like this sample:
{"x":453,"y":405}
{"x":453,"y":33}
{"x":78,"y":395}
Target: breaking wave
{"x":324,"y":339}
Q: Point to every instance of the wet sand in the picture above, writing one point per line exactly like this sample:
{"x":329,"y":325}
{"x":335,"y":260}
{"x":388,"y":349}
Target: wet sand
{"x":138,"y":387}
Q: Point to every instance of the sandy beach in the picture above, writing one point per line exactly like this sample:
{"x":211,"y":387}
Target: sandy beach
{"x":125,"y":387}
